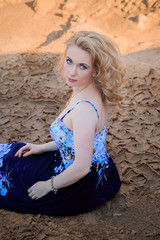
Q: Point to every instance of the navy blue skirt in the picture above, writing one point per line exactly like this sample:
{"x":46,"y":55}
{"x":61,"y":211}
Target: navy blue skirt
{"x":19,"y":174}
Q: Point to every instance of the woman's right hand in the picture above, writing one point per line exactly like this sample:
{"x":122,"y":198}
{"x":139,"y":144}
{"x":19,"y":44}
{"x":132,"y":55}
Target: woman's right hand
{"x":28,"y":150}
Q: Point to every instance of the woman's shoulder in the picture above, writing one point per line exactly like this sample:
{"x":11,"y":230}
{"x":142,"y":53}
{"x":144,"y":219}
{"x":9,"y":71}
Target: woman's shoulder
{"x":90,"y":103}
{"x":84,"y":118}
{"x":85,"y":107}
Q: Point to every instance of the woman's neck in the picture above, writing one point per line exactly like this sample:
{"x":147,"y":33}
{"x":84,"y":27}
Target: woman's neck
{"x":77,"y":90}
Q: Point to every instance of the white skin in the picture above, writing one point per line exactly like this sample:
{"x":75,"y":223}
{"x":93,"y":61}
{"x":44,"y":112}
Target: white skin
{"x":82,"y":121}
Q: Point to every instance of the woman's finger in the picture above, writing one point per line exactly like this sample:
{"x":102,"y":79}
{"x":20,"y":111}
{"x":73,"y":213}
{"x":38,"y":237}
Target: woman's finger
{"x":17,"y":153}
{"x":29,"y":190}
{"x":34,"y":197}
{"x":26,"y":154}
{"x":31,"y":194}
{"x":21,"y":150}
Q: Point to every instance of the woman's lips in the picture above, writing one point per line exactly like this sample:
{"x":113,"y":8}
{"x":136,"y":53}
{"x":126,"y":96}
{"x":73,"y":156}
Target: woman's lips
{"x":71,"y":80}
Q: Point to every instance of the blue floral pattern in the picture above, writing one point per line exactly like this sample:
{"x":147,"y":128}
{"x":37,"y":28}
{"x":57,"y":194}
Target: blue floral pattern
{"x":4,"y":175}
{"x":64,"y":139}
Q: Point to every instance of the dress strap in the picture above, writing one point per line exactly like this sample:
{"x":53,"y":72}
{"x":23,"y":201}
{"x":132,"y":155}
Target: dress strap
{"x":80,"y":102}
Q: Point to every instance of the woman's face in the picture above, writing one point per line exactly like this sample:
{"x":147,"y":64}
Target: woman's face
{"x":78,"y":67}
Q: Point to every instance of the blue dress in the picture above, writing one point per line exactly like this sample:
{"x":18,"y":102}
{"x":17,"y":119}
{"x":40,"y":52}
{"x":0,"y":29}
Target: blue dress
{"x":19,"y":174}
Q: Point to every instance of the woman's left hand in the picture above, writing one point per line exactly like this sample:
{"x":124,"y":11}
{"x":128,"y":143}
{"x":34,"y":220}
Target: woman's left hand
{"x":39,"y":189}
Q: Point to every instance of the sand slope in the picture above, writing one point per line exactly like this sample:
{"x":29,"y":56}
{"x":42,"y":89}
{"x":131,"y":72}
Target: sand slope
{"x":44,"y":25}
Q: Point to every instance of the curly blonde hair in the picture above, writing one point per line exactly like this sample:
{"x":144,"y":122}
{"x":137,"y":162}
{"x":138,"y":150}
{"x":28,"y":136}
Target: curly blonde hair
{"x":106,"y":60}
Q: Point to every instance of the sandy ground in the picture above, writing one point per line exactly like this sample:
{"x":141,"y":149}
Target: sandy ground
{"x":31,"y":96}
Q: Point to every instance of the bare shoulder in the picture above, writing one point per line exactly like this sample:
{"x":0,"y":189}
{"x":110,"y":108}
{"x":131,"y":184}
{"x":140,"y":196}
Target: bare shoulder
{"x":84,"y":115}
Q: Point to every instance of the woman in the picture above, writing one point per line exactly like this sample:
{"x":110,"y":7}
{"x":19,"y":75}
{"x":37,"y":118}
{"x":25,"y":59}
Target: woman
{"x":74,"y":173}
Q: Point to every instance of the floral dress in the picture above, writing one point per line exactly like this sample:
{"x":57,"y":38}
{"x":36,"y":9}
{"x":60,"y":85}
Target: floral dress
{"x":19,"y":174}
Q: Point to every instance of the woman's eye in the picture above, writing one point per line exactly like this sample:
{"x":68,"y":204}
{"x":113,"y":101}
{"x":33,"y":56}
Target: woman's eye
{"x":69,"y":61}
{"x":83,"y":67}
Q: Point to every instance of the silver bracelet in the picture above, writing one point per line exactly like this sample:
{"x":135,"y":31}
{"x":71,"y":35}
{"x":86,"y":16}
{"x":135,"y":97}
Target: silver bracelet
{"x":53,"y":189}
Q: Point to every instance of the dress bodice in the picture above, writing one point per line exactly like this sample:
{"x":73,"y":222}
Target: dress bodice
{"x":63,"y":137}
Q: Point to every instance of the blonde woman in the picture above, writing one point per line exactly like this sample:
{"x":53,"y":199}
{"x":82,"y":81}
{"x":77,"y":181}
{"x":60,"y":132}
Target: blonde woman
{"x":74,"y":173}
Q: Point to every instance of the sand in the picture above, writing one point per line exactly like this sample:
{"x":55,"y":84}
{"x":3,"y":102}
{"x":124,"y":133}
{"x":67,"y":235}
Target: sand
{"x":32,"y":95}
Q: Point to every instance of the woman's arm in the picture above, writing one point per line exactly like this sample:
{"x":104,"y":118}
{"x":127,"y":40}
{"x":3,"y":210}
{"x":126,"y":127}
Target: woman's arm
{"x":50,"y":146}
{"x":84,"y":120}
{"x":30,"y":149}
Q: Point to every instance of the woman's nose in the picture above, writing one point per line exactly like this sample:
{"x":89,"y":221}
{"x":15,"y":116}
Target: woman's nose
{"x":73,"y":70}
